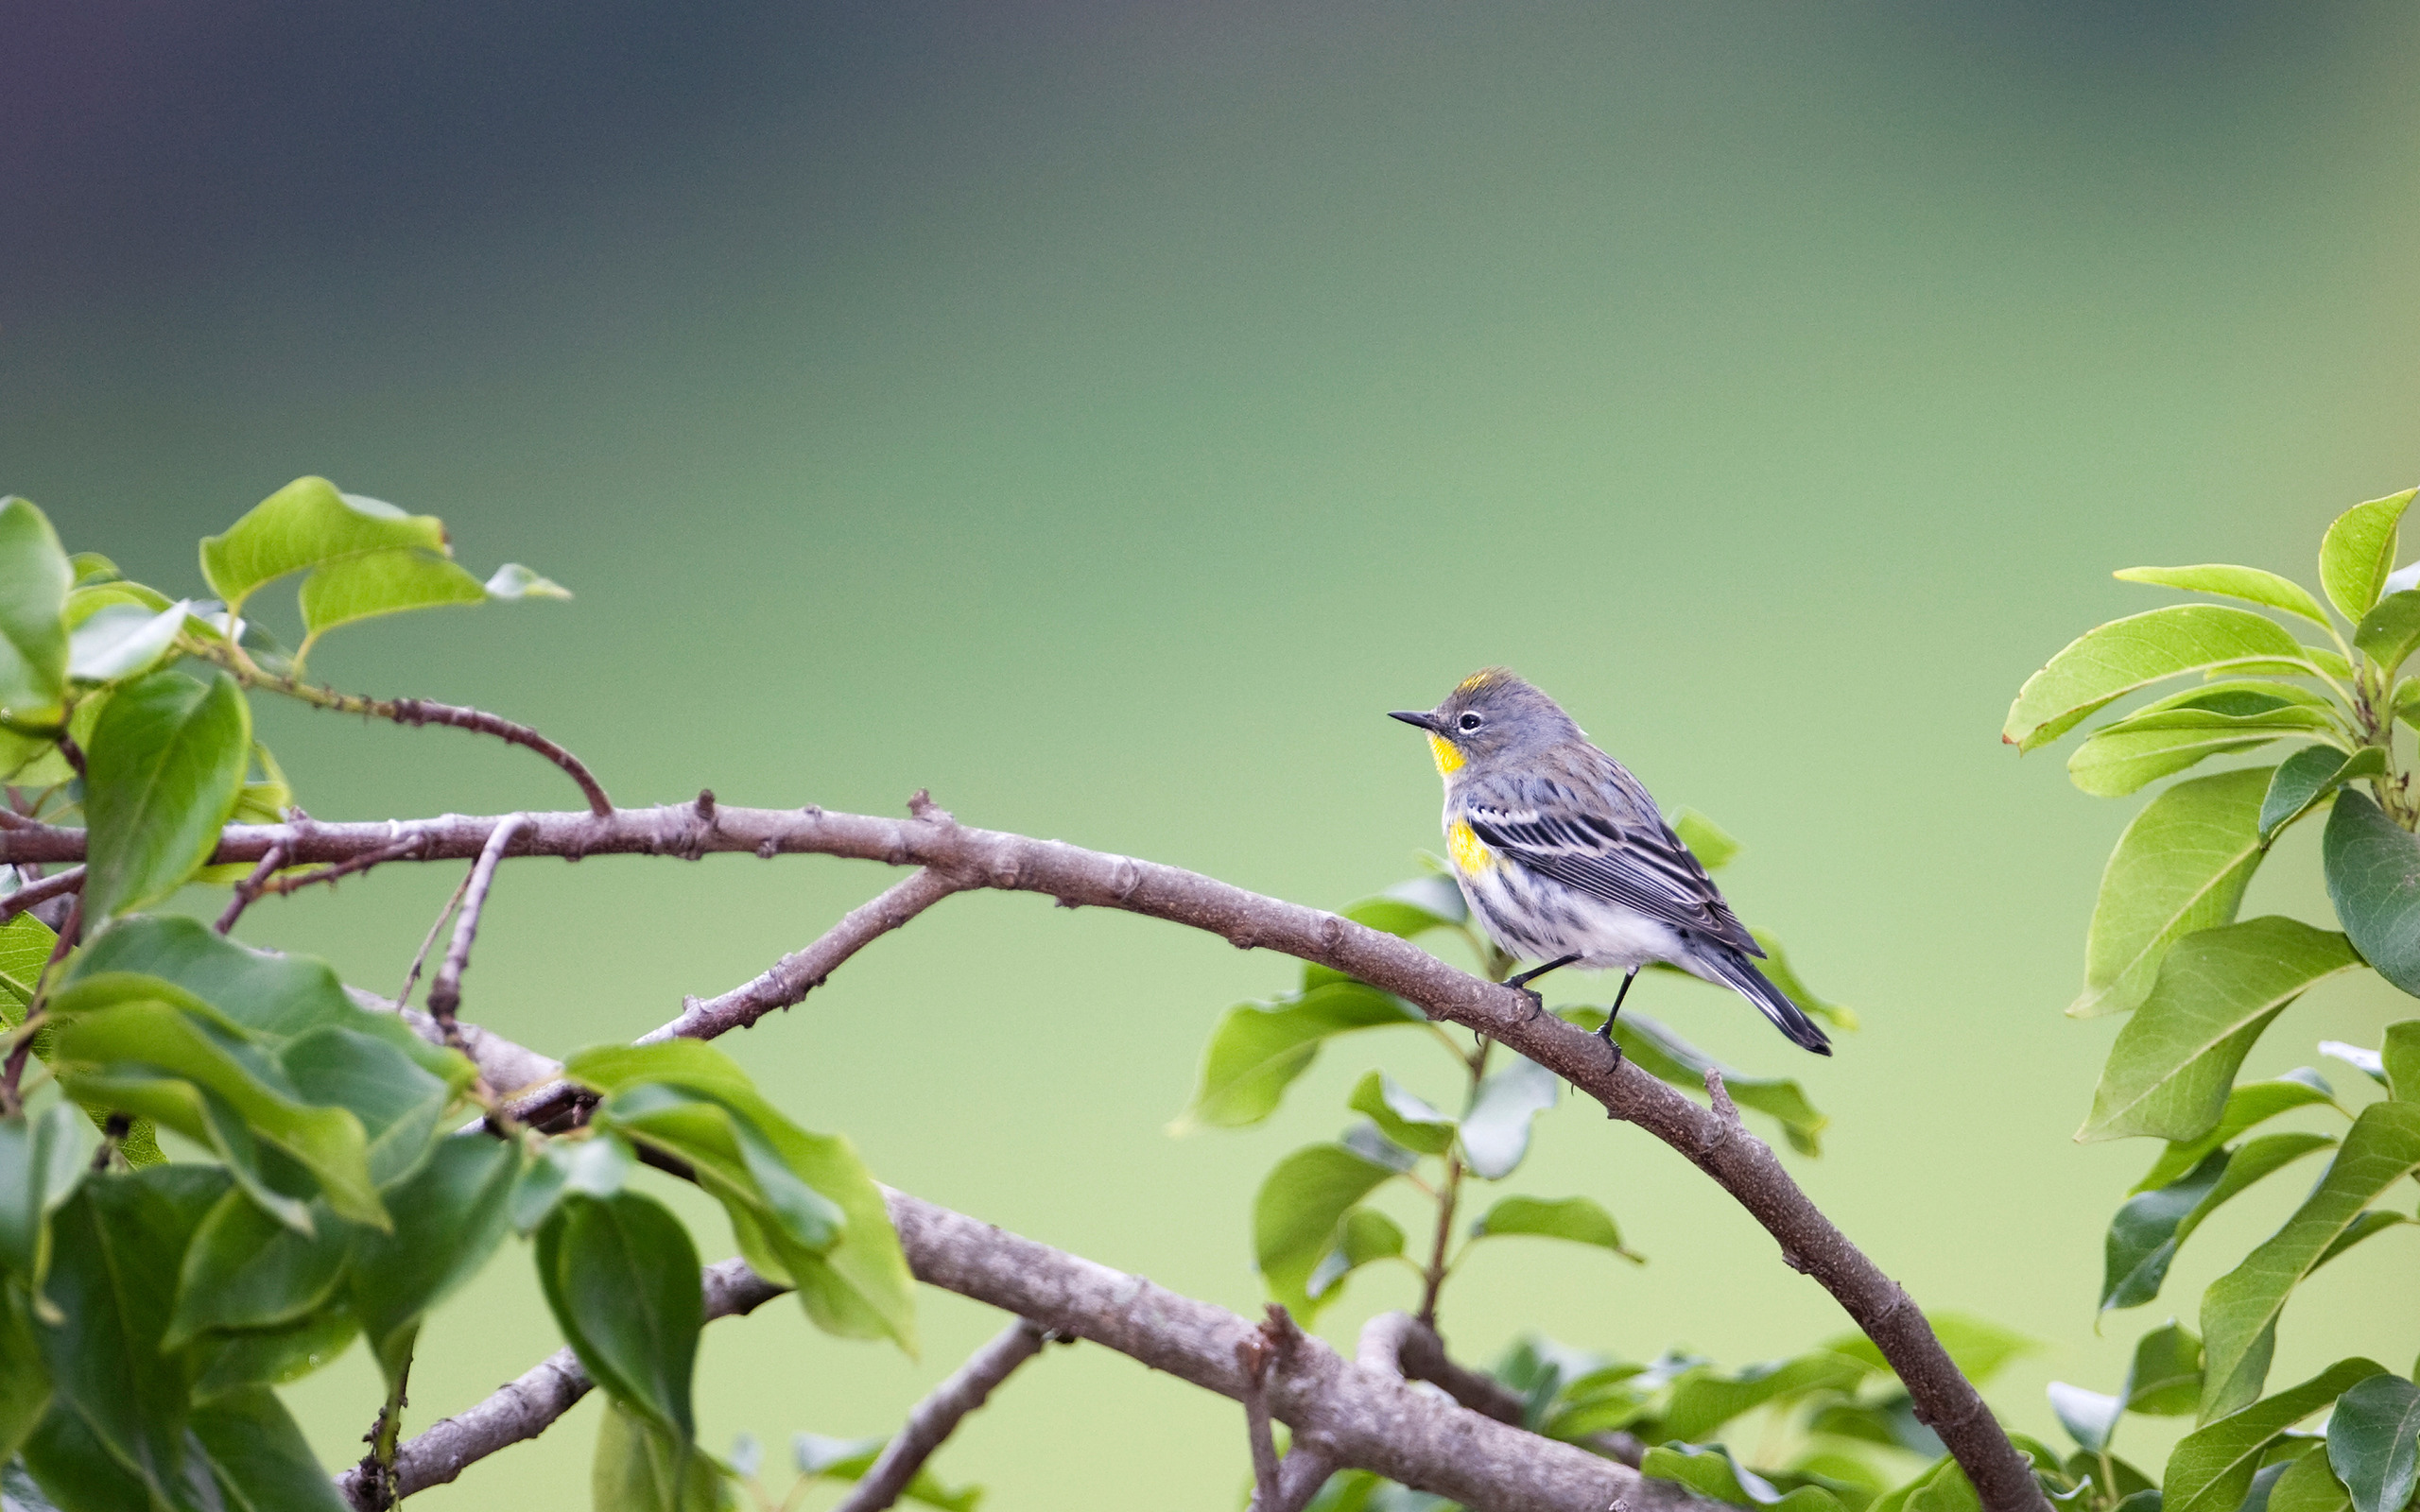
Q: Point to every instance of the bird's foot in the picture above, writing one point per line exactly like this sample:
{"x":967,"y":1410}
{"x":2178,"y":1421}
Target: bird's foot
{"x":1537,"y":999}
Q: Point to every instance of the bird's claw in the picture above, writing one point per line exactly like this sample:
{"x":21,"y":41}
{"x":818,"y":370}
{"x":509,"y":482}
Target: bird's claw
{"x":1537,"y":999}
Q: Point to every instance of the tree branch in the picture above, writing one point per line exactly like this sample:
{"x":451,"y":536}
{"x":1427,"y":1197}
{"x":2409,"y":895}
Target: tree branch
{"x":1736,"y":1158}
{"x":36,"y":893}
{"x":1400,"y":1342}
{"x":249,"y":889}
{"x":445,"y":994}
{"x":936,"y":1416}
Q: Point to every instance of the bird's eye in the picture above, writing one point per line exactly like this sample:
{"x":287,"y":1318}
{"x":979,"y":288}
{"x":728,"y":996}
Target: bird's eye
{"x":1468,"y":722}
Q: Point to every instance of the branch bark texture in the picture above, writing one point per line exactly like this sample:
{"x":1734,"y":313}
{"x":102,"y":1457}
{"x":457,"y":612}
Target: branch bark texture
{"x":938,"y":1415}
{"x":1736,"y":1160}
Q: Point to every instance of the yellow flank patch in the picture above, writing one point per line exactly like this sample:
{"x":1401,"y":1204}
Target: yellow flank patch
{"x":1449,"y":761}
{"x":1468,"y":852}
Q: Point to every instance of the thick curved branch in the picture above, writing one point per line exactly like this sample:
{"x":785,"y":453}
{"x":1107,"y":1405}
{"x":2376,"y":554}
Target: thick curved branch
{"x":938,"y":1415}
{"x":1736,"y":1160}
{"x":1403,"y":1344}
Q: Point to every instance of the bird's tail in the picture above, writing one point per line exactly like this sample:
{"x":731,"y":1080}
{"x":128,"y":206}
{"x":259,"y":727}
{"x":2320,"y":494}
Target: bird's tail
{"x":1736,"y":971}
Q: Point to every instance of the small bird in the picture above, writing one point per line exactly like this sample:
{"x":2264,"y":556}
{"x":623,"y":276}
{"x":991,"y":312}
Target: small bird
{"x":1565,"y":858}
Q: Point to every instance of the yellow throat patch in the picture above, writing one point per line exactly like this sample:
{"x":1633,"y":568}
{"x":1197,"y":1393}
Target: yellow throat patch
{"x":1449,"y":761}
{"x":1467,"y":851}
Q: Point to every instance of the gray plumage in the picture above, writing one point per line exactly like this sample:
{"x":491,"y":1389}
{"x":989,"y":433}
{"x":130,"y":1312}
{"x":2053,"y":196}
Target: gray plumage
{"x":1563,"y":856}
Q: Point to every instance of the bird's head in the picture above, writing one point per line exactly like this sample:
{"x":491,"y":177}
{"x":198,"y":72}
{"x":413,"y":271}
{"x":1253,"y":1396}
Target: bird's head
{"x":1491,"y":715}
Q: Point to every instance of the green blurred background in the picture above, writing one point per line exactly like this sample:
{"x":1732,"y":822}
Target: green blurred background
{"x":1102,"y":414}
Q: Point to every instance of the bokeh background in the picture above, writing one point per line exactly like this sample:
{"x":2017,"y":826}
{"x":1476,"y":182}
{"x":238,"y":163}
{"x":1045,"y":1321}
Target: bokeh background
{"x":1102,"y":414}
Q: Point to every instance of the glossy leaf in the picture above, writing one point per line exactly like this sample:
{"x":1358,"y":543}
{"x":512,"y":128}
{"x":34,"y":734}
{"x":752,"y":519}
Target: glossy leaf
{"x":1259,"y":1047}
{"x":43,"y":1159}
{"x":1577,"y":1219}
{"x":1668,"y":1057}
{"x":2153,"y":1250}
{"x":514,"y":581}
{"x":2389,"y":632}
{"x":2114,"y":659}
{"x":2211,"y":1467}
{"x":449,"y":1216}
{"x":1706,"y":840}
{"x":1495,"y":1128}
{"x":1402,"y":1117}
{"x":2399,"y":1055}
{"x":2241,"y":1307}
{"x":2309,"y":1485}
{"x":1702,"y":1401}
{"x":597,"y":1167}
{"x":2373,"y":866}
{"x":246,"y":1270}
{"x":383,"y":582}
{"x":1366,"y":1236}
{"x":2120,"y":758}
{"x":2165,"y":1380}
{"x":1413,"y":908}
{"x":2180,"y":867}
{"x":2088,"y":1416}
{"x":271,"y":1357}
{"x":2374,"y":1442}
{"x":2354,"y":559}
{"x":2142,"y":1237}
{"x":640,"y":1468}
{"x":731,"y":1159}
{"x":2368,"y":1062}
{"x":2170,"y":1072}
{"x":2248,"y":583}
{"x":34,"y":579}
{"x":25,"y":1382}
{"x":623,"y":1280}
{"x":1712,"y":1471}
{"x":1299,"y":1213}
{"x":302,"y":524}
{"x":122,"y":640}
{"x":165,"y":766}
{"x":2309,"y":775}
{"x":258,"y":1456}
{"x":2249,"y":1105}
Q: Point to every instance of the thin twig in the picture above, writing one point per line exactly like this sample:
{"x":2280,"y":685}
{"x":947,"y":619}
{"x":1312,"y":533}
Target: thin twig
{"x":249,"y":889}
{"x":43,"y":891}
{"x":404,"y":712}
{"x":285,"y":887}
{"x":1251,"y":1358}
{"x":445,"y":994}
{"x":938,"y":1415}
{"x":420,"y":957}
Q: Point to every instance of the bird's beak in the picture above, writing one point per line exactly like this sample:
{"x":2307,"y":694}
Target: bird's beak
{"x":1426,"y":721}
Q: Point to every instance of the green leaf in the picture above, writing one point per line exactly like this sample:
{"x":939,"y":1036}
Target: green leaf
{"x":2122,"y":757}
{"x":304,"y":523}
{"x":1259,"y":1047}
{"x":2368,"y":1062}
{"x":2114,"y":659}
{"x":623,"y":1280}
{"x":2309,"y":1485}
{"x":2165,"y":1380}
{"x":1495,"y":1128}
{"x":259,"y":1456}
{"x":2248,"y":583}
{"x":640,"y":1468}
{"x":597,"y":1165}
{"x":2388,"y":634}
{"x":731,"y":1159}
{"x":1413,"y":908}
{"x":2148,"y":1247}
{"x":1402,"y":1117}
{"x":1366,"y":1236}
{"x":2400,"y":1055}
{"x":2180,"y":867}
{"x":2250,"y":1105}
{"x":848,"y":1459}
{"x":121,"y":640}
{"x":2088,"y":1416}
{"x":1702,"y":1401}
{"x":246,"y":1270}
{"x":1577,"y":1219}
{"x":514,"y":581}
{"x":1299,"y":1213}
{"x":2241,"y":1307}
{"x":271,"y":1357}
{"x":1977,"y":1346}
{"x":165,"y":767}
{"x":2355,"y":557}
{"x":858,"y":1287}
{"x":449,"y":1216}
{"x":1710,"y":1470}
{"x":2311,"y":774}
{"x":118,"y":1244}
{"x":383,"y":582}
{"x":2369,"y":1221}
{"x":43,"y":1159}
{"x":2174,"y":1062}
{"x":2212,"y":1467}
{"x":2373,"y":867}
{"x":25,"y":1383}
{"x":1668,"y":1057}
{"x":74,"y":1472}
{"x":34,"y":579}
{"x":1780,"y":974}
{"x":1714,"y":849}
{"x":2374,"y":1442}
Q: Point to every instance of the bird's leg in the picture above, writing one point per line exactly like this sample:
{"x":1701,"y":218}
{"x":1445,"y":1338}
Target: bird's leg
{"x":1521,"y":983}
{"x":1606,"y":1033}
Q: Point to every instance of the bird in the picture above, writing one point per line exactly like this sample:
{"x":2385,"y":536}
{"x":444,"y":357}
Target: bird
{"x":1566,"y":860}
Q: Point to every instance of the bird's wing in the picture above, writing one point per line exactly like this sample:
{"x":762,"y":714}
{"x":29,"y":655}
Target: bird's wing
{"x":1637,"y":861}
